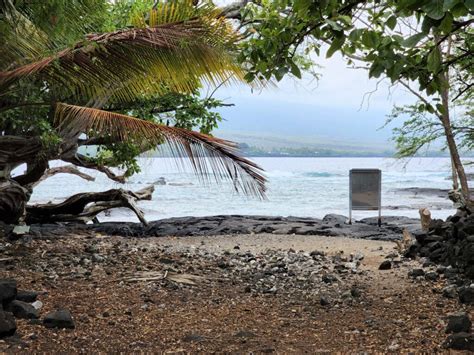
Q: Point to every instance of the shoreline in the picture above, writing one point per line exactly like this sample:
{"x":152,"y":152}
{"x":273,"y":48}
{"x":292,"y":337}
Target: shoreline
{"x":332,"y":225}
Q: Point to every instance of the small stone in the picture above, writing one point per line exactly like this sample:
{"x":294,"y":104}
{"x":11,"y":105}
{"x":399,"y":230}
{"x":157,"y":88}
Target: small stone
{"x":431,"y":276}
{"x":347,"y":294}
{"x":23,"y":310}
{"x":450,"y":291}
{"x":355,"y":292}
{"x":323,"y":301}
{"x":460,"y":341}
{"x":37,"y":304}
{"x":26,"y":296}
{"x":329,"y":278}
{"x":59,"y":319}
{"x":458,"y":322}
{"x":7,"y":324}
{"x":416,"y":272}
{"x":385,"y":265}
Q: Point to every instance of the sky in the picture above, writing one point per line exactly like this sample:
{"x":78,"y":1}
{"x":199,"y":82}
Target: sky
{"x":338,"y":105}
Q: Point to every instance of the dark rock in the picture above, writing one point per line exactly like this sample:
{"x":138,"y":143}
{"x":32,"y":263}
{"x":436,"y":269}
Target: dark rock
{"x":466,"y":295}
{"x":8,"y":290}
{"x":386,"y":265}
{"x":323,"y":301}
{"x":329,"y":278}
{"x":460,"y":341}
{"x":450,"y":291}
{"x":7,"y":324}
{"x":458,"y":322}
{"x":26,"y":296}
{"x":335,"y":219}
{"x":355,"y":292}
{"x":23,"y":310}
{"x":59,"y":319}
{"x":431,"y":276}
{"x":416,"y":272}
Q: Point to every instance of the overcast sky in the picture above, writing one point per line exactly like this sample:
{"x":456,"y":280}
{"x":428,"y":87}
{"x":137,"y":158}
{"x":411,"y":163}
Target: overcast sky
{"x":337,"y":105}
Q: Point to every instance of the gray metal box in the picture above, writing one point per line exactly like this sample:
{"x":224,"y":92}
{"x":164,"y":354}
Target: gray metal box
{"x":365,"y":191}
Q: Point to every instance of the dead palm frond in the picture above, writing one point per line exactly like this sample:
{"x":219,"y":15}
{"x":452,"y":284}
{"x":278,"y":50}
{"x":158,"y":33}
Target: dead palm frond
{"x":209,"y":157}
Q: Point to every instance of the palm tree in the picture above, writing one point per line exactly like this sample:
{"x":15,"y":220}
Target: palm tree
{"x":58,"y":95}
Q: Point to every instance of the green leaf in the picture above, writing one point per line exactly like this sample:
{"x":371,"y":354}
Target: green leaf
{"x":295,"y":70}
{"x":370,"y":39}
{"x":470,"y":4}
{"x":376,"y":70}
{"x":434,"y":9}
{"x":356,"y":34}
{"x":301,"y":6}
{"x":434,"y":60}
{"x":447,"y":24}
{"x":335,"y":45}
{"x":392,"y":22}
{"x":413,"y":40}
{"x":459,"y":10}
{"x":441,"y":108}
{"x":334,"y":25}
{"x":449,"y":4}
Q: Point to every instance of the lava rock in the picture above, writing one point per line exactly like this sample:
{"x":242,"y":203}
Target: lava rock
{"x":329,"y":278}
{"x":460,"y":341}
{"x":466,"y":295}
{"x":59,"y":319}
{"x":7,"y":324}
{"x":431,"y":276}
{"x":416,"y":272}
{"x":323,"y":301}
{"x":450,"y":291}
{"x":23,"y":310}
{"x":8,"y":290}
{"x":386,"y":265}
{"x":458,"y":322}
{"x":26,"y":296}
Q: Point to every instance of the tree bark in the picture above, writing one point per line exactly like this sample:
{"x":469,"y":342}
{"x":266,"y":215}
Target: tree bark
{"x":446,"y":122}
{"x":13,"y":198}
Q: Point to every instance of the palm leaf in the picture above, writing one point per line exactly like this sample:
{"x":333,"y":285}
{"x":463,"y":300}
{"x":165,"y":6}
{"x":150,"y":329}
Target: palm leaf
{"x":209,"y":157}
{"x":120,"y":65}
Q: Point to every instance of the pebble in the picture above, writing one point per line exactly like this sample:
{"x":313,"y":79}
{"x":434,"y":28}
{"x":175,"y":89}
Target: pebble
{"x":385,"y":265}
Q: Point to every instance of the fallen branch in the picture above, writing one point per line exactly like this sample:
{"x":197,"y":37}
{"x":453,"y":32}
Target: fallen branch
{"x":85,"y":207}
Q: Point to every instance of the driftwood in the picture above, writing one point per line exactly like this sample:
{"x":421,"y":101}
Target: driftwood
{"x":85,"y":207}
{"x":425,"y":216}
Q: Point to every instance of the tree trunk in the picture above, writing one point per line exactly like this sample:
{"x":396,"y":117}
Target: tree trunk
{"x":453,"y":149}
{"x":455,"y":176}
{"x":446,"y":122}
{"x":13,"y":198}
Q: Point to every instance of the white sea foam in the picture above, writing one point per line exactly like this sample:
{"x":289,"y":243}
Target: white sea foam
{"x":309,"y":187}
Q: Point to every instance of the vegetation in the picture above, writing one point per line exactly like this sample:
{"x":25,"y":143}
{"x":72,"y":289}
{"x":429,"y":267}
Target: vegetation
{"x":69,"y":81}
{"x":424,"y":45}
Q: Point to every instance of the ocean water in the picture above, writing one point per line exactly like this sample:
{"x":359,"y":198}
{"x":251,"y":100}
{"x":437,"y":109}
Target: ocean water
{"x":306,"y":187}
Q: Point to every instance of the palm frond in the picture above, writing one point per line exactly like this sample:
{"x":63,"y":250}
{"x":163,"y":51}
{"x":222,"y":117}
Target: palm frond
{"x":208,"y":156}
{"x":126,"y":63}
